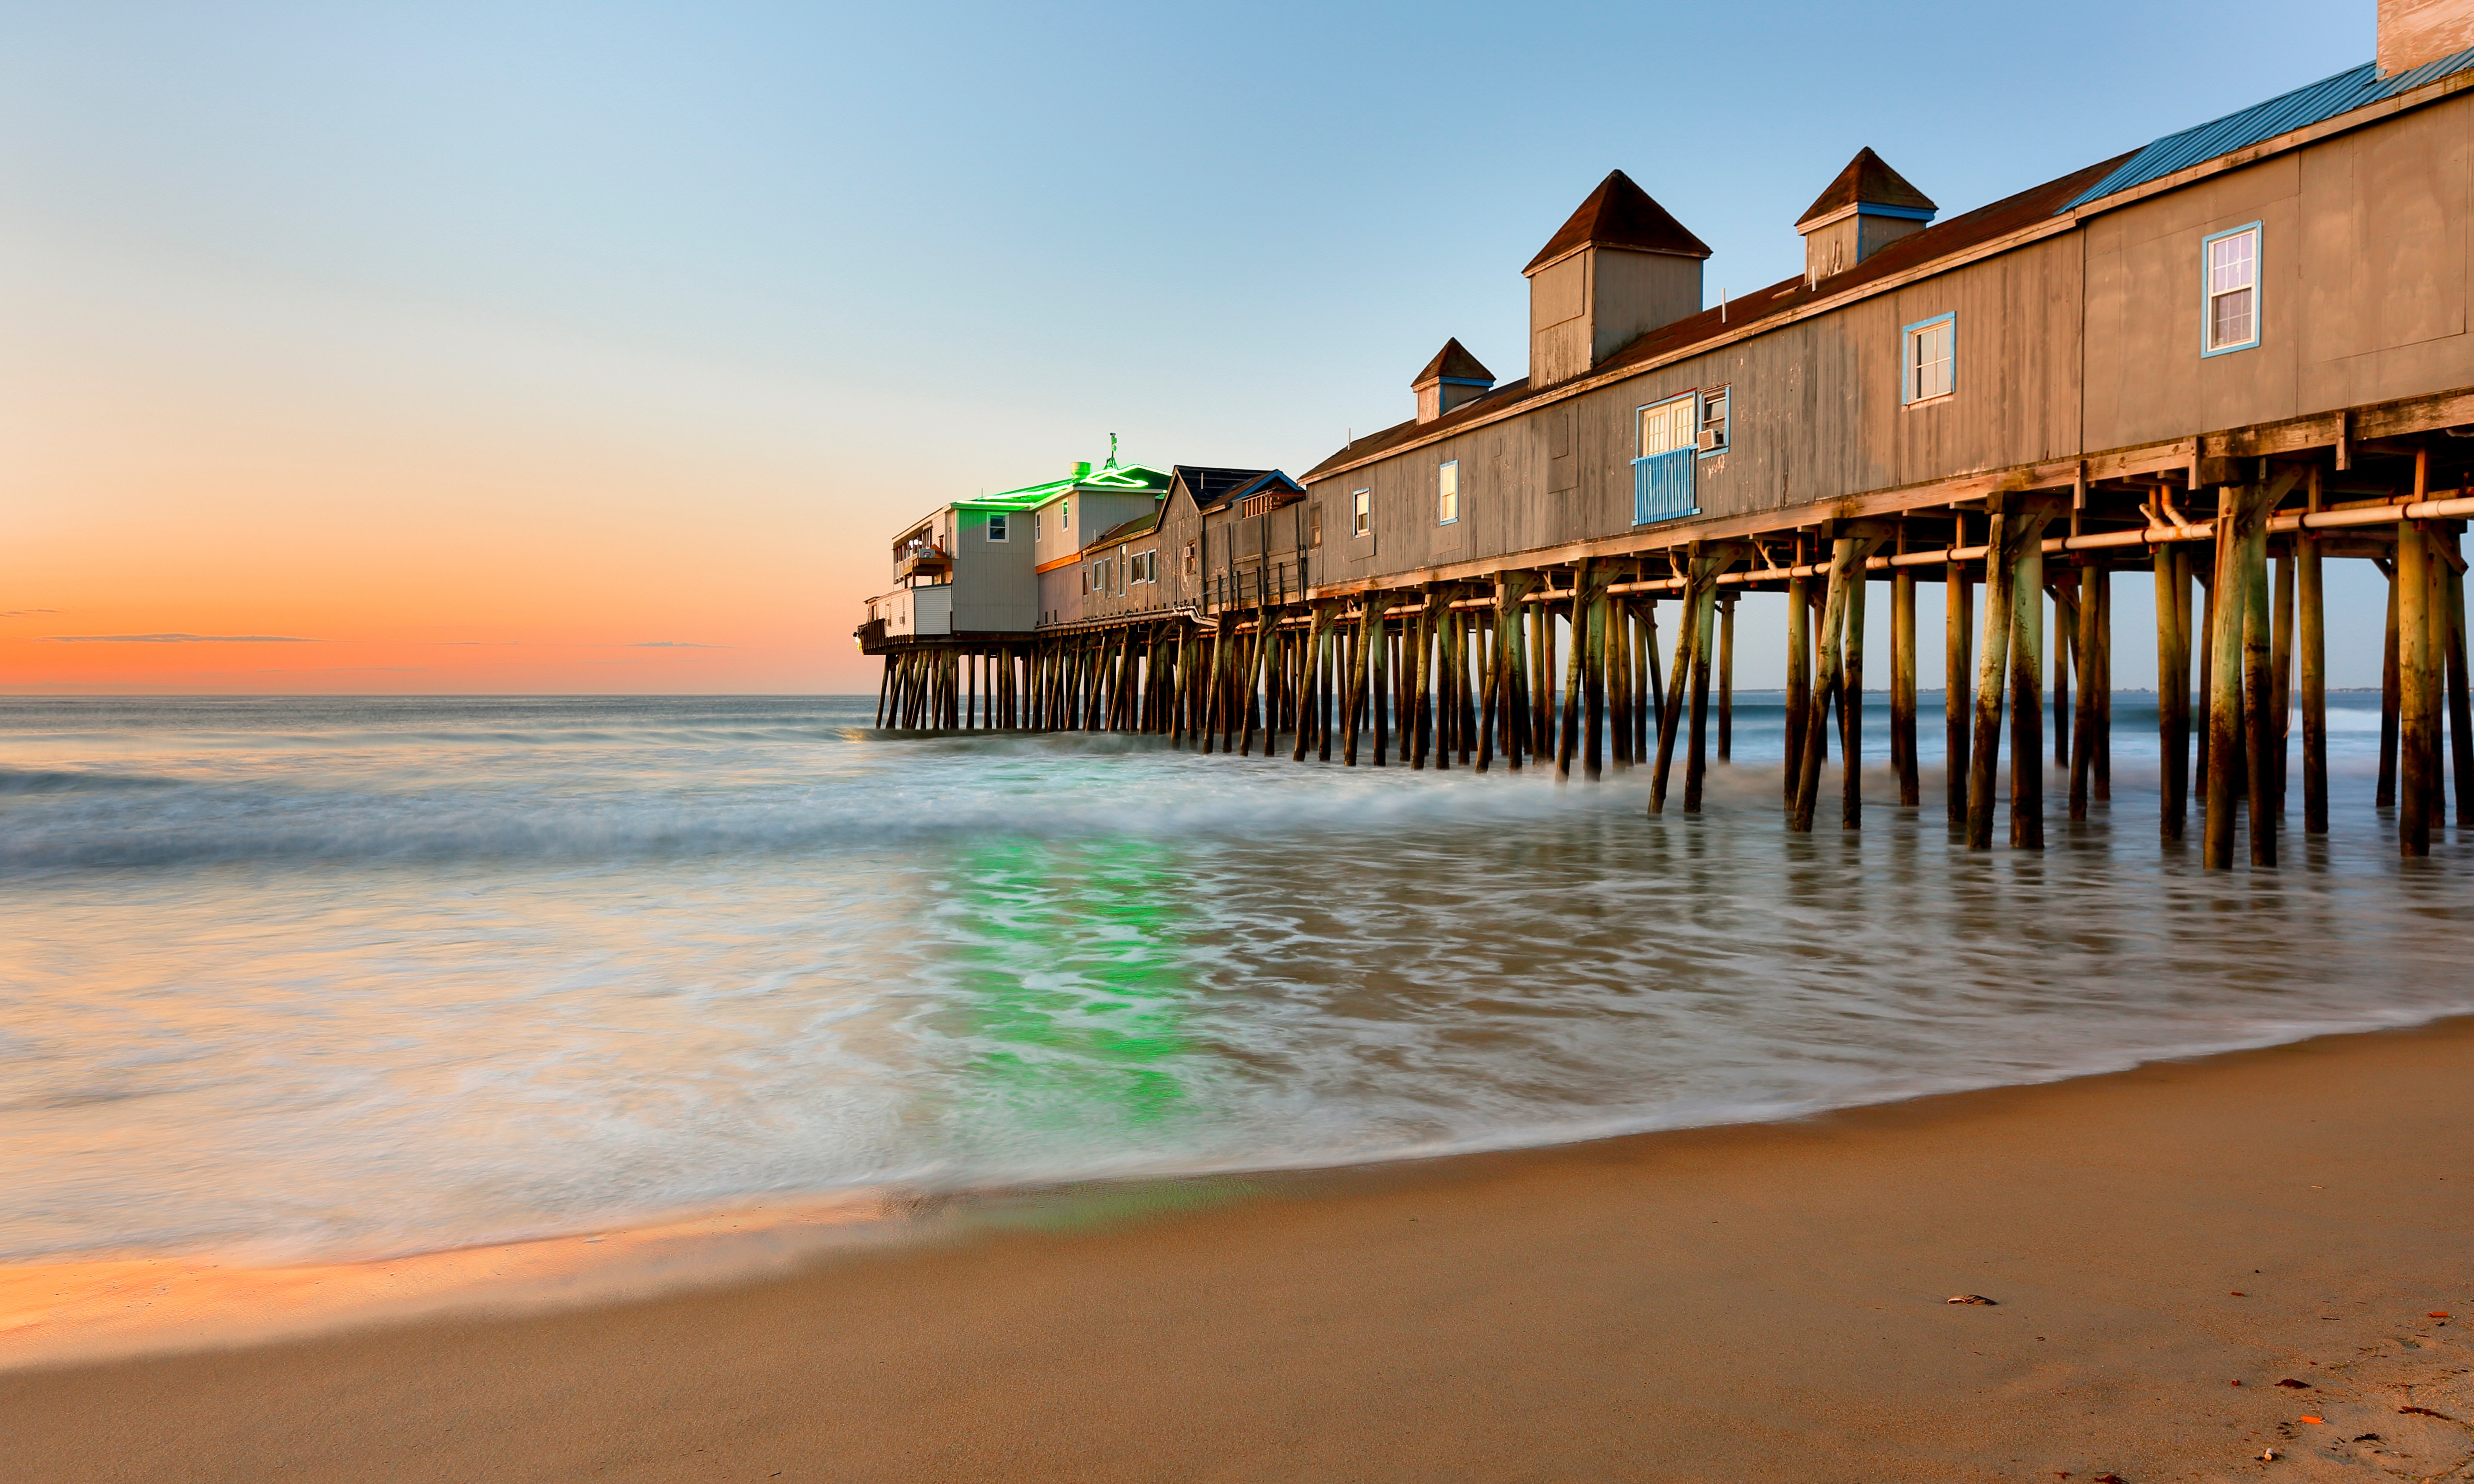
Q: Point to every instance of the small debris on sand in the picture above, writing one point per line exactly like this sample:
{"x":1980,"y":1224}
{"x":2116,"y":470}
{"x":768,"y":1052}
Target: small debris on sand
{"x":2296,"y":1385}
{"x":1967,"y":1298}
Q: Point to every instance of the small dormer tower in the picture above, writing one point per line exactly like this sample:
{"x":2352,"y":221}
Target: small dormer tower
{"x":1452,"y":378}
{"x":1621,"y":268}
{"x":1869,"y":207}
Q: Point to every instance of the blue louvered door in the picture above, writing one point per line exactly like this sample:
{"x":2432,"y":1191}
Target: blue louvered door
{"x":1662,"y":486}
{"x":1662,"y":477}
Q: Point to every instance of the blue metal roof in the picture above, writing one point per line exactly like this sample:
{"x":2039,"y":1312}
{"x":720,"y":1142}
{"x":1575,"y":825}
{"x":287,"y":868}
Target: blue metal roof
{"x":2355,"y":89}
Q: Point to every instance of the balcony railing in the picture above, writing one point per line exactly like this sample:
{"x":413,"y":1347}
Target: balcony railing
{"x":919,"y":558}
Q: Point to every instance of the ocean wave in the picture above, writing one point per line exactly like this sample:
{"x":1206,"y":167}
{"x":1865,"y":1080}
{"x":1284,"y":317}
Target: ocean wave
{"x":77,"y":781}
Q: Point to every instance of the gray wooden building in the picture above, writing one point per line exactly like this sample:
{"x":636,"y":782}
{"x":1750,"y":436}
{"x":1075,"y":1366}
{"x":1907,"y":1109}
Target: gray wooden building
{"x":2242,"y":343}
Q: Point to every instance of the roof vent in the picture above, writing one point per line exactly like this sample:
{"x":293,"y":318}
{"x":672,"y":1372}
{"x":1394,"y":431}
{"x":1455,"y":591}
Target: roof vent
{"x":1081,"y":468}
{"x":1619,"y":269}
{"x":1452,"y":379}
{"x":1869,"y":207}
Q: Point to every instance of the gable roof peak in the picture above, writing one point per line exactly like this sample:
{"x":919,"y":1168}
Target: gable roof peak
{"x":1619,"y":214}
{"x":1453,"y":362}
{"x":1868,"y":181}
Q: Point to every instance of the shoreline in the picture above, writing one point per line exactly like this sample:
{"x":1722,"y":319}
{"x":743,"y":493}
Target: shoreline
{"x":91,"y":1309}
{"x":1735,"y":1302}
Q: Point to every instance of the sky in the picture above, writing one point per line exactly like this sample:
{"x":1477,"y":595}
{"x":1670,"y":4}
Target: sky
{"x":540,"y":348}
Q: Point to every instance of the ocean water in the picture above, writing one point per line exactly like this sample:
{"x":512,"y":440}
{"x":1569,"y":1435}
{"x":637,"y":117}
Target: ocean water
{"x":284,"y":978}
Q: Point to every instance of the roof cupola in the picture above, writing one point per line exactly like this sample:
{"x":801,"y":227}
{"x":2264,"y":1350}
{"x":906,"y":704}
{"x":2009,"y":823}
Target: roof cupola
{"x":1619,"y":269}
{"x":1869,"y":207}
{"x":1452,"y":378}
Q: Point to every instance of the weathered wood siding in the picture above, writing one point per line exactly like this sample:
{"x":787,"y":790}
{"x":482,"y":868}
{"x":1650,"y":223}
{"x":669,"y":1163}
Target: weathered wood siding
{"x":2362,"y":284}
{"x":1814,"y":412}
{"x":2082,"y":340}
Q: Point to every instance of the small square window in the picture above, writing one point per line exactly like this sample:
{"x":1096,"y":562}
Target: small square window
{"x":1932,"y":360}
{"x":1447,"y":493}
{"x":2230,"y":292}
{"x":1714,"y":421}
{"x":1361,"y":507}
{"x":996,"y":528}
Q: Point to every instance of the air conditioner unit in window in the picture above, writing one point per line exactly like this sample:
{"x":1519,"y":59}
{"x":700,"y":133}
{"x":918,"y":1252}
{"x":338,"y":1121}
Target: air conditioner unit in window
{"x":1710,"y":439}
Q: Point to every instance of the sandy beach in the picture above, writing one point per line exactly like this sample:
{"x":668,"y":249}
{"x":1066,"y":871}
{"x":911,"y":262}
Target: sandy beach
{"x":1749,"y":1303}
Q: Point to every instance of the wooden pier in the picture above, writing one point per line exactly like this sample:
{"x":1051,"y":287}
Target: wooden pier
{"x":2220,"y":360}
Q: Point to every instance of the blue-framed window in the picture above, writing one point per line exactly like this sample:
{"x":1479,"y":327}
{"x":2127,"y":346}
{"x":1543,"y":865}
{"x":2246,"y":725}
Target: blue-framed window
{"x":1714,"y":421}
{"x":1447,"y":493}
{"x":2229,"y":291}
{"x":1667,"y":448}
{"x":1928,"y":359}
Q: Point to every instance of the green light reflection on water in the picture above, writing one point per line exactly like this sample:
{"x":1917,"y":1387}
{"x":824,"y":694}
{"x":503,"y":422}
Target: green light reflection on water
{"x":1070,"y":980}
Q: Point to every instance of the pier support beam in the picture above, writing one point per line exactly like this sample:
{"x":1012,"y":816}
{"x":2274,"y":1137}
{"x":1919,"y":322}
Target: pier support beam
{"x":2417,"y":591}
{"x":2091,"y":608}
{"x":1903,"y":687}
{"x":1799,"y":677}
{"x":2460,"y":704}
{"x":2385,"y":794}
{"x":2172,"y":687}
{"x":2263,"y":726}
{"x":1847,"y":556}
{"x":1958,"y":681}
{"x":2013,"y":561}
{"x":1727,"y":679}
{"x":1568,"y":741}
{"x":2026,"y":696}
{"x":1850,"y":700}
{"x":2312,"y":637}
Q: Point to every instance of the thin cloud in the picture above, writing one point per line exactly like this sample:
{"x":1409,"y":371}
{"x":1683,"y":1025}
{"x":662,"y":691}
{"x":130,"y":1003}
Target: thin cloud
{"x":673,"y":644}
{"x":27,"y":613}
{"x":175,"y":638}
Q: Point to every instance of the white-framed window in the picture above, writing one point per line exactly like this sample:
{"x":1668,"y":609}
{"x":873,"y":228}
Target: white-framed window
{"x":1314,"y":524}
{"x":1447,"y":493}
{"x":1034,"y":527}
{"x":2229,"y":291}
{"x":996,"y":528}
{"x":1064,"y":514}
{"x":1668,"y":426}
{"x":1361,"y":512}
{"x":1192,"y":559}
{"x":1714,"y":421}
{"x":1143,"y":567}
{"x":1930,"y":359}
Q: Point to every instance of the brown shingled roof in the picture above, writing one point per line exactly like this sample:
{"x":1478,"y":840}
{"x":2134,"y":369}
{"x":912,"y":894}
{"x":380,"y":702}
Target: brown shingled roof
{"x":1455,"y":362}
{"x":1867,"y":181}
{"x":1619,"y":214}
{"x":1944,"y":239}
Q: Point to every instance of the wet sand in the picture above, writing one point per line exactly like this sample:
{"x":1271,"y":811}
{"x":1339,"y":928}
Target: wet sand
{"x":1752,"y":1303}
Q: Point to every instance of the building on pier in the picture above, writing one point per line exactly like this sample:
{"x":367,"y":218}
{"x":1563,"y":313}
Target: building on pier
{"x":976,"y":567}
{"x":2241,"y":342}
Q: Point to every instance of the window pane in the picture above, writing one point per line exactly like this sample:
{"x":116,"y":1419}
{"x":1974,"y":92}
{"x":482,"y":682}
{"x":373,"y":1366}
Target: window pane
{"x":2232,"y":262}
{"x":2229,"y":319}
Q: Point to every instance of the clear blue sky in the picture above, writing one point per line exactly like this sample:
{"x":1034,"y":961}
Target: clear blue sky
{"x":708,"y":298}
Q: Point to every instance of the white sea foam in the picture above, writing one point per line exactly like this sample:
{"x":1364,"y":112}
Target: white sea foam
{"x":354,"y":976}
